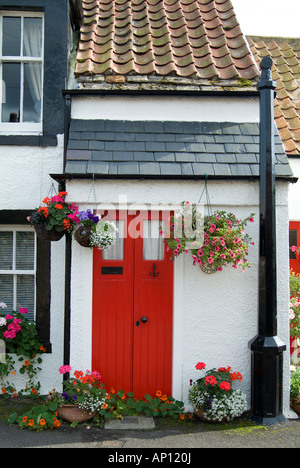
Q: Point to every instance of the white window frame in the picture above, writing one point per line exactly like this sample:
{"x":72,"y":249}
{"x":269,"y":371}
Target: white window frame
{"x":14,"y":272}
{"x":20,"y":128}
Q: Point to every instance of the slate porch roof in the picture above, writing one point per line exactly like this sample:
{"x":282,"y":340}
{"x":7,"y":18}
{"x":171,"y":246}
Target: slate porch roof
{"x":199,"y":39}
{"x":285,"y":53}
{"x":153,"y":149}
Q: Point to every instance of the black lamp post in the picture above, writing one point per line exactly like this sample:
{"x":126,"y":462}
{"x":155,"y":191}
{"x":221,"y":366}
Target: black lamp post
{"x":267,"y":348}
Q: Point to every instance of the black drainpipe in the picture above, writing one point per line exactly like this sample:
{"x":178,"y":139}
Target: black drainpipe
{"x":68,"y":248}
{"x":267,"y":348}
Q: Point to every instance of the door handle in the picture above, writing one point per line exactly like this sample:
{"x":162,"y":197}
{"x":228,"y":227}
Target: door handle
{"x":144,"y":319}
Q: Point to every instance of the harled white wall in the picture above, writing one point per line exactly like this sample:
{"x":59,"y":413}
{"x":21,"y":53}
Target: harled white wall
{"x":215,"y":316}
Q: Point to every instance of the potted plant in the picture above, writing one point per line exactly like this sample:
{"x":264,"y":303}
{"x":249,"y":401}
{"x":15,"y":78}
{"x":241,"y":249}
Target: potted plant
{"x":92,"y":231}
{"x":52,"y":220}
{"x":217,"y":241}
{"x":295,"y":389}
{"x":82,"y":397}
{"x":213,"y":396}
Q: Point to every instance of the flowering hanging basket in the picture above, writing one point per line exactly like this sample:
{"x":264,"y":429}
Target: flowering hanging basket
{"x":45,"y":235}
{"x":54,"y":218}
{"x":214,"y":241}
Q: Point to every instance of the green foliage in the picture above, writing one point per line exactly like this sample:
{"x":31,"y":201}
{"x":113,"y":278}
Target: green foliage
{"x":295,"y":384}
{"x":22,"y":343}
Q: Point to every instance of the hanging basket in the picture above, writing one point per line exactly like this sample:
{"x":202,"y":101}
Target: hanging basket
{"x":82,"y":235}
{"x":209,"y":269}
{"x":46,"y":235}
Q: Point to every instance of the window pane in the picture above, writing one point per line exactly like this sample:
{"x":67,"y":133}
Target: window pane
{"x":7,"y":291}
{"x":32,"y":37}
{"x":11,"y":36}
{"x":116,"y":251}
{"x":6,"y":251}
{"x":25,"y":294}
{"x":11,"y":78}
{"x":153,"y":245}
{"x":293,"y":241}
{"x":32,"y":92}
{"x":24,"y":250}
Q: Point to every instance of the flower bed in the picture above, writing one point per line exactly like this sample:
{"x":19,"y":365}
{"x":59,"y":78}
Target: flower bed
{"x":22,"y":342}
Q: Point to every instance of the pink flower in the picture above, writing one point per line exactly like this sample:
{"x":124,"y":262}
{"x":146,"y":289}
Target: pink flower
{"x":23,"y":310}
{"x":9,"y":317}
{"x":251,"y":219}
{"x":210,"y":260}
{"x":294,"y":248}
{"x":64,"y":369}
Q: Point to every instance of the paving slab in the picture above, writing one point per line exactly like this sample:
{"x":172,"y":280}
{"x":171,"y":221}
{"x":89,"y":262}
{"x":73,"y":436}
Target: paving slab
{"x":130,"y":422}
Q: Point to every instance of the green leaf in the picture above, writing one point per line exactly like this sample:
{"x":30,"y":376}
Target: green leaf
{"x":12,"y":418}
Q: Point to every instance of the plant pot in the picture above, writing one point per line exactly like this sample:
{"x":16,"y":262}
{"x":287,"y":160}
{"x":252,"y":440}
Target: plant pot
{"x":71,"y":413}
{"x":200,"y":413}
{"x":46,"y":235}
{"x":82,"y":235}
{"x":296,"y":406}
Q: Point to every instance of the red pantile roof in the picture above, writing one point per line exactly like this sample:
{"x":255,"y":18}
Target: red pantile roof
{"x":285,"y":54}
{"x":184,"y":38}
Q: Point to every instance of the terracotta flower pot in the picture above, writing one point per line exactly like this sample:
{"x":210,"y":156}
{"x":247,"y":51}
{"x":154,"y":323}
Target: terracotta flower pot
{"x":46,"y":235}
{"x":71,"y":413}
{"x":296,"y":406}
{"x":200,"y":413}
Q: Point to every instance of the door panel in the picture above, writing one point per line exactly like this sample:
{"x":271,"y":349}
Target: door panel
{"x":132,"y":313}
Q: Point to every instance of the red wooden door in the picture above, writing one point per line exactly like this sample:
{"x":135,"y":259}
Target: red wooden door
{"x":294,"y":240}
{"x":133,"y":309}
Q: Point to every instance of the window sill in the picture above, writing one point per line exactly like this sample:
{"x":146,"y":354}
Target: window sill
{"x":28,"y":140}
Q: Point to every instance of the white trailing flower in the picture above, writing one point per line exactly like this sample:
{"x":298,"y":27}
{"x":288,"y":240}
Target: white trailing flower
{"x":228,"y":406}
{"x":104,"y":236}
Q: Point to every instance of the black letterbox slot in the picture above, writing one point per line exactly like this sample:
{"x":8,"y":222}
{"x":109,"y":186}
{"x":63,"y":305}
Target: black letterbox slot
{"x":112,"y":270}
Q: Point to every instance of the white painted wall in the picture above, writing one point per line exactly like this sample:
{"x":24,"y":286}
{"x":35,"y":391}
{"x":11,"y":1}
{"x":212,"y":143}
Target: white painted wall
{"x":24,"y":183}
{"x":294,"y":191}
{"x":190,"y":109}
{"x":215,"y":316}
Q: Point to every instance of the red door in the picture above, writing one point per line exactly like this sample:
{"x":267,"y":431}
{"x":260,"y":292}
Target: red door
{"x":133,"y":309}
{"x":294,"y":240}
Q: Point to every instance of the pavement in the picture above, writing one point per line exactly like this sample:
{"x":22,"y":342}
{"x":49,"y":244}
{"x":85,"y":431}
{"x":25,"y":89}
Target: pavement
{"x":144,"y":440}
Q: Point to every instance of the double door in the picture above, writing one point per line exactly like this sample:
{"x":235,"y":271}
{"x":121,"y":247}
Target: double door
{"x":133,"y":308}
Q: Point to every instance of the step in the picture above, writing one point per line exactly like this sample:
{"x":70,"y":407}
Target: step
{"x":130,"y":422}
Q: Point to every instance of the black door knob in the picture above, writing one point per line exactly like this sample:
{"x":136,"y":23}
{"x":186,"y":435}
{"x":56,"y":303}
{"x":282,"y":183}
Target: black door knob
{"x":144,"y":319}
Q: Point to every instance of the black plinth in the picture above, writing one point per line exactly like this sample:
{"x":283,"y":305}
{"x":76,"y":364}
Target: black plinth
{"x":266,"y":391}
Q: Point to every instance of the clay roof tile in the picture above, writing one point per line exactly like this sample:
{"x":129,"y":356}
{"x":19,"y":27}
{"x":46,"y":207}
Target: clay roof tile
{"x":188,"y":38}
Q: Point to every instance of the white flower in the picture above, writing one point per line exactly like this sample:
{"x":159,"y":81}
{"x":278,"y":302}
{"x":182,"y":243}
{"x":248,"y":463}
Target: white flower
{"x":3,"y":305}
{"x":2,"y":322}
